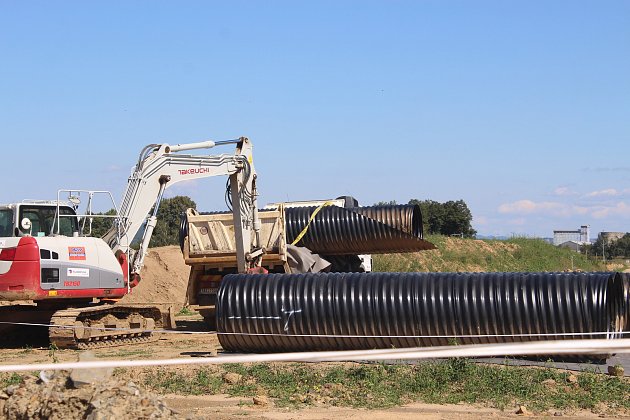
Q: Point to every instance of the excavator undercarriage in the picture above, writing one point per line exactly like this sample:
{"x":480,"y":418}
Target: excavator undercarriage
{"x":104,"y":326}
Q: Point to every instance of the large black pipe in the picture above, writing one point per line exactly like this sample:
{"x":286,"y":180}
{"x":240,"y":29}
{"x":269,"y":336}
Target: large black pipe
{"x":345,"y":311}
{"x":626,"y":292}
{"x":360,"y":230}
{"x":404,"y":217}
{"x":350,"y":231}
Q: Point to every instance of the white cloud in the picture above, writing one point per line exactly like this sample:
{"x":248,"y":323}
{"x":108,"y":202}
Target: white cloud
{"x":609,"y":192}
{"x":520,"y":221}
{"x":481,"y":220}
{"x":621,"y":209}
{"x":563,"y":191}
{"x":189,"y":187}
{"x":531,"y":207}
{"x":547,"y":208}
{"x":581,"y":210}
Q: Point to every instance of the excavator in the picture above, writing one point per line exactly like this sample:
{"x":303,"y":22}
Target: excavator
{"x":53,"y":272}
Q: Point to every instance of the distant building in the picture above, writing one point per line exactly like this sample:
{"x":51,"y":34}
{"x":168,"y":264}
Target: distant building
{"x":572,"y":245}
{"x":609,"y":237}
{"x":581,"y":235}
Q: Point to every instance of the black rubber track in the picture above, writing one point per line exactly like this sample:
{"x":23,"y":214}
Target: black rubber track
{"x":359,"y":230}
{"x":347,"y":311}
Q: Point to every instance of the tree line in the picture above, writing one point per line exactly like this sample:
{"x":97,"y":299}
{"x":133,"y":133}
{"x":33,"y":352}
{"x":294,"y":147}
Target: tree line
{"x":610,"y":249}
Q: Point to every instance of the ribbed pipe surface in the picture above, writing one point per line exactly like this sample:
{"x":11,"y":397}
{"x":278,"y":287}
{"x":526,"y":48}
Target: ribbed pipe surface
{"x":360,"y":230}
{"x":351,"y":311}
{"x":626,"y":293}
{"x":407,"y":217}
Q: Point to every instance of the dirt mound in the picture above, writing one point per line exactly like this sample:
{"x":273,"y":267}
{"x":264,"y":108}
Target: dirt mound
{"x":56,"y":398}
{"x":164,"y":279}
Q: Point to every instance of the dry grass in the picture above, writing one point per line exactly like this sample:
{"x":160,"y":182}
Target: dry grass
{"x":473,"y":255}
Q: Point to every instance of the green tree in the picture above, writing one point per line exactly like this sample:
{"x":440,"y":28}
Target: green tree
{"x":432,"y":215}
{"x":169,"y":215}
{"x":612,"y":249}
{"x":587,"y":249}
{"x":450,"y":218}
{"x":457,"y":219}
{"x":622,"y":246}
{"x":100,"y":225}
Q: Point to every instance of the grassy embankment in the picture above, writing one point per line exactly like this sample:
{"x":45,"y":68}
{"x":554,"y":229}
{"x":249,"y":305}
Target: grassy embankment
{"x":471,"y":255}
{"x":379,"y":386}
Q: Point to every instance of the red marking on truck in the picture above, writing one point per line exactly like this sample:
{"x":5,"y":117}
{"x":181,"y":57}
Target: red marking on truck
{"x":76,"y":253}
{"x":194,"y":171}
{"x":72,"y":283}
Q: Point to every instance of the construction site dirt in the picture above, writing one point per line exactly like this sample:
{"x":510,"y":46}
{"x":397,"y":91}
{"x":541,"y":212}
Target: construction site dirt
{"x":220,"y":406}
{"x":164,"y":280}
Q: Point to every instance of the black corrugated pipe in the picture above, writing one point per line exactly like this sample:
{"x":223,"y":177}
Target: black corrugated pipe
{"x":626,"y":294}
{"x":348,"y":311}
{"x":359,"y":230}
{"x":350,"y":231}
{"x":405,"y":217}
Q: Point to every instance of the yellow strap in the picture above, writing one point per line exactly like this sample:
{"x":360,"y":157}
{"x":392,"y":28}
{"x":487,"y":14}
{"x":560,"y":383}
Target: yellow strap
{"x":327,"y":203}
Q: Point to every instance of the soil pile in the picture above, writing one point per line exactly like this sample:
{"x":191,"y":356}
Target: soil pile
{"x":164,"y":279}
{"x":57,"y":398}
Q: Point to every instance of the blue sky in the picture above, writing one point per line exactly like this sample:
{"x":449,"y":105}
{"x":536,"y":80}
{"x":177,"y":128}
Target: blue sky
{"x":520,"y":108}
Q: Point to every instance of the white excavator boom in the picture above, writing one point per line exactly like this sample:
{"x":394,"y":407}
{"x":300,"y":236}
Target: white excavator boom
{"x":160,"y":166}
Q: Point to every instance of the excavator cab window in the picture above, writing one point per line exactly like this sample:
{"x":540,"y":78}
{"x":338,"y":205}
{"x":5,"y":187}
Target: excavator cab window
{"x":6,"y":223}
{"x":44,"y":219}
{"x":33,"y":216}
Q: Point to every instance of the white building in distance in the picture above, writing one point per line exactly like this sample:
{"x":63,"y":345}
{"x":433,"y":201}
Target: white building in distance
{"x":580,"y":236}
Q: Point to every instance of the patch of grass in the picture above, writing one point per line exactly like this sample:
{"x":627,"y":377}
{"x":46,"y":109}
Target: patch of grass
{"x":125,"y":353}
{"x":26,"y":349}
{"x":379,"y":386}
{"x":7,"y":379}
{"x":201,"y":382}
{"x":52,"y":353}
{"x":538,"y":255}
{"x":461,"y":255}
{"x":185,"y":311}
{"x":119,"y":371}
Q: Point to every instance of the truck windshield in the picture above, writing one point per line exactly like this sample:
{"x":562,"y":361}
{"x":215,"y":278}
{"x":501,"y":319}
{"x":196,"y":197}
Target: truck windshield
{"x":6,"y":223}
{"x":43,"y":220}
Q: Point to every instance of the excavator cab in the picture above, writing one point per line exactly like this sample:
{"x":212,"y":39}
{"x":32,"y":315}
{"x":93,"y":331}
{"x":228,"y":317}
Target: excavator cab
{"x":36,"y":218}
{"x":43,"y":219}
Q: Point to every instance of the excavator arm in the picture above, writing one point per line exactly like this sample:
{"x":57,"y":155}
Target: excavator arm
{"x":159,"y":166}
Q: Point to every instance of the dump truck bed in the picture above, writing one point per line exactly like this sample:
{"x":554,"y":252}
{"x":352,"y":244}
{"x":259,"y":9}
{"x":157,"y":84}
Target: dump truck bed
{"x":209,"y":249}
{"x":210,"y":241}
